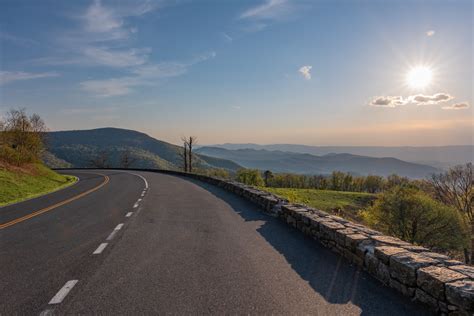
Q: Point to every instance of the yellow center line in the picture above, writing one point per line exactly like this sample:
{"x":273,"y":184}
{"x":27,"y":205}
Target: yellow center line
{"x":52,"y":207}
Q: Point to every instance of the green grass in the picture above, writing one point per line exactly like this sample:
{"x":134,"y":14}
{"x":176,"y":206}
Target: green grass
{"x":18,"y":184}
{"x":346,"y":204}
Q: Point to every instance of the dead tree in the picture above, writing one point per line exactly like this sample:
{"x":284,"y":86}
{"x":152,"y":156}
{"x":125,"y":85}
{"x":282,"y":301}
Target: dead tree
{"x":126,"y":159}
{"x":184,"y":154}
{"x":187,"y":154}
{"x":191,"y":141}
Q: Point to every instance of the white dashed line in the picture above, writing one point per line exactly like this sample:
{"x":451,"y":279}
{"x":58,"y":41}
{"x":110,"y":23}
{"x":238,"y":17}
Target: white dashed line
{"x":143,"y":178}
{"x":63,"y":292}
{"x":112,"y":235}
{"x":119,"y":226}
{"x":99,"y":249}
{"x":139,"y":200}
{"x":129,"y":214}
{"x":135,"y":205}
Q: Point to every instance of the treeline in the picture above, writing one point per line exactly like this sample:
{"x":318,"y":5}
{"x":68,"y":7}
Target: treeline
{"x":21,"y":137}
{"x":337,"y":181}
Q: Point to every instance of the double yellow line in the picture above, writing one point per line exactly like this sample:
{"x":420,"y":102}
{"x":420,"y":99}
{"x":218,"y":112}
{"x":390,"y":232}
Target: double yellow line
{"x":52,"y":207}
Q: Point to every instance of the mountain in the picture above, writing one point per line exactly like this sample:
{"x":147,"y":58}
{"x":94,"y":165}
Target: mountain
{"x":281,"y":161}
{"x":77,"y":148}
{"x":437,"y":156}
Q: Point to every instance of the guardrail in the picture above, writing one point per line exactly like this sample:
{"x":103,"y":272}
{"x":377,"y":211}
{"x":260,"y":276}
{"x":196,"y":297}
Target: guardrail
{"x":444,"y":284}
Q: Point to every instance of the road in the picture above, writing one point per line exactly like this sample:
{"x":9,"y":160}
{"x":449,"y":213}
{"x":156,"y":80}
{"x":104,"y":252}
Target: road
{"x":109,"y":245}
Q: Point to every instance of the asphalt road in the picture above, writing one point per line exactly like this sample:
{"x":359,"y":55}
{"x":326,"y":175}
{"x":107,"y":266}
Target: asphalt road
{"x":107,"y":245}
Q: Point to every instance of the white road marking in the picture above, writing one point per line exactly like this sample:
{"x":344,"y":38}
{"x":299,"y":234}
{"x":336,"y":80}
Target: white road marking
{"x":63,"y":292}
{"x":47,"y":312}
{"x":112,"y":235}
{"x":119,"y":226}
{"x":129,"y":214}
{"x":139,"y":200}
{"x":143,"y":178}
{"x":135,"y":205}
{"x":99,"y":249}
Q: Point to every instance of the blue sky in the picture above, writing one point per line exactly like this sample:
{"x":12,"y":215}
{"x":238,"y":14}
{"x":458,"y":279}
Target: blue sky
{"x":266,"y":71}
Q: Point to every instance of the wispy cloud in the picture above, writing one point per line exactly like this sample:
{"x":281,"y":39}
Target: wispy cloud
{"x":269,"y":10}
{"x":10,"y":76}
{"x":305,"y":71}
{"x":430,"y":33}
{"x":116,"y":58}
{"x":4,"y":36}
{"x":226,"y":37}
{"x":457,"y":106}
{"x":144,"y":75}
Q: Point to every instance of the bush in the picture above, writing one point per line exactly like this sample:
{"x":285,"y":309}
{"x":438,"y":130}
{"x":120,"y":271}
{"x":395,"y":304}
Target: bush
{"x":250,"y":177}
{"x":413,"y":216}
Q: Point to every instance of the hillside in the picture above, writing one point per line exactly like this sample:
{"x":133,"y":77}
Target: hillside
{"x":31,"y":180}
{"x":79,"y":147}
{"x":280,"y":161}
{"x":436,"y":156}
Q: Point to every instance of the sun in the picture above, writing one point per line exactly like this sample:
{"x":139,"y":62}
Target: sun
{"x":419,"y":77}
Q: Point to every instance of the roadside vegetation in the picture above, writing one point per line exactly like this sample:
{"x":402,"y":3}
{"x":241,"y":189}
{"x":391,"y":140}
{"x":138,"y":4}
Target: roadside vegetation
{"x":435,"y":212}
{"x":22,"y":175}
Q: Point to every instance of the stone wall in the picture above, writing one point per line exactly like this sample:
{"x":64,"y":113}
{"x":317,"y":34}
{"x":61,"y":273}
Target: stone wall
{"x":445,"y":285}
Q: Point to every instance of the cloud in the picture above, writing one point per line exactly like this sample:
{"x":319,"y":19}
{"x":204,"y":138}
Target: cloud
{"x":226,"y":37}
{"x":388,"y":101}
{"x":430,"y":33}
{"x":421,"y":99}
{"x":269,"y":10}
{"x":306,"y":71}
{"x":10,"y":76}
{"x":116,"y":58}
{"x":144,"y":75}
{"x":457,"y":106}
{"x":16,"y":39}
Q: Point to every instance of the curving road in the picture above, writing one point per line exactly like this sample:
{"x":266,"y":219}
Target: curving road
{"x":108,"y":245}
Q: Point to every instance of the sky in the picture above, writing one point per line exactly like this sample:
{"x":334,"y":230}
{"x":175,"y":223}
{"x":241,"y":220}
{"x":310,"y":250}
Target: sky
{"x":322,"y":72}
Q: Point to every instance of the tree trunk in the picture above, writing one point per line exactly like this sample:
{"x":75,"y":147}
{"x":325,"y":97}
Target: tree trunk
{"x":185,"y":153}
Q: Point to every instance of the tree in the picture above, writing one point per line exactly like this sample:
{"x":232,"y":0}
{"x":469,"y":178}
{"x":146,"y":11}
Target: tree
{"x":455,"y":188}
{"x":191,"y":142}
{"x":250,"y":177}
{"x":126,"y":159}
{"x":267,"y":175}
{"x":22,"y":137}
{"x":101,"y":160}
{"x":413,"y":216}
{"x":184,"y":154}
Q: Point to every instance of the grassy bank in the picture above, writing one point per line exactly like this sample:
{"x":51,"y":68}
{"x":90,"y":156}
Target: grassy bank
{"x":346,"y":204}
{"x":18,"y":184}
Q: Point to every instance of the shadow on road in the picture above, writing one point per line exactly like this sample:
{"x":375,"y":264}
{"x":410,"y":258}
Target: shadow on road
{"x":328,"y":273}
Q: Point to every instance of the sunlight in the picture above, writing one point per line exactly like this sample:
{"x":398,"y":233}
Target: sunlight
{"x":419,"y":77}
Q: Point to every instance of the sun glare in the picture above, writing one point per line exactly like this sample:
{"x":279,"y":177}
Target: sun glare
{"x":419,"y":77}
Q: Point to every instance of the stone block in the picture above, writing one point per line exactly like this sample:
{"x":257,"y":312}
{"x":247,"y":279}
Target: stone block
{"x":388,"y":241}
{"x":403,"y":266}
{"x":328,"y":229}
{"x":414,"y":248}
{"x":341,"y":235}
{"x":461,"y":293}
{"x":425,"y":298}
{"x":466,"y":270}
{"x":383,"y":253}
{"x":402,"y":288}
{"x":432,"y":280}
{"x":353,"y":241}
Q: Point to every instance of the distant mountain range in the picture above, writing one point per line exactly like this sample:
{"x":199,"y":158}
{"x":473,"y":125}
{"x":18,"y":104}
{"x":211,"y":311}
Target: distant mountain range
{"x":78,"y":148}
{"x":284,"y":161}
{"x":436,"y":156}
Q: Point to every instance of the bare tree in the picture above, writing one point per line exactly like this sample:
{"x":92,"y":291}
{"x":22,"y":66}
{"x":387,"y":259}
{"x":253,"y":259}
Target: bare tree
{"x":192,"y":140}
{"x":184,"y":154}
{"x":455,"y":187}
{"x":126,"y":159}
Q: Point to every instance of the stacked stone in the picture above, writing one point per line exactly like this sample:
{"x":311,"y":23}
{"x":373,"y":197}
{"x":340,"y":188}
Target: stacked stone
{"x":446,"y":285}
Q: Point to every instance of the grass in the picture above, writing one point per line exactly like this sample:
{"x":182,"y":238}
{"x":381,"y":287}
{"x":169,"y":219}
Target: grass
{"x":345,"y":204}
{"x":21,"y":183}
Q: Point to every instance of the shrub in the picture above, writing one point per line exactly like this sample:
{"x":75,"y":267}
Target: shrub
{"x":412,"y":215}
{"x":250,"y":177}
